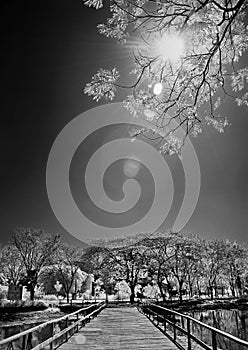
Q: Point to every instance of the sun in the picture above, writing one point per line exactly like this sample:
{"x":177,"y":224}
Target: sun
{"x":170,"y":47}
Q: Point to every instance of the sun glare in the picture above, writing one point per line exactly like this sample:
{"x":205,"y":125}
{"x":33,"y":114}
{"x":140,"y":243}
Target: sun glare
{"x":170,"y":47}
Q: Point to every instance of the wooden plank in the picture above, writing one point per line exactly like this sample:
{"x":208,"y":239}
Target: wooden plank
{"x":119,"y":328}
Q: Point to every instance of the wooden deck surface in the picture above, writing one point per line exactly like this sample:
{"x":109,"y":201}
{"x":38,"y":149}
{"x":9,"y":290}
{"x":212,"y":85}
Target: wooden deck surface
{"x":119,"y":328}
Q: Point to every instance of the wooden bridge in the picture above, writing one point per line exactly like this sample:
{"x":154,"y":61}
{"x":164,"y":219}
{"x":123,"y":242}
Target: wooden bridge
{"x":119,"y":328}
{"x":148,"y":326}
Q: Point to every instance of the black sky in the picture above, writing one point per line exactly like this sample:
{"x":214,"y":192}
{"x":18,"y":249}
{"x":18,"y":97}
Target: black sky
{"x":49,"y":50}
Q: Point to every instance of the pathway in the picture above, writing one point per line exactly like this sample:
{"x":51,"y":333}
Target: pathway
{"x":119,"y":329}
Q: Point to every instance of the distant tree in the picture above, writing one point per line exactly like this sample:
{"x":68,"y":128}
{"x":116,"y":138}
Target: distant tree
{"x":35,"y":249}
{"x":214,"y":261}
{"x":66,"y":267}
{"x":185,"y":62}
{"x":93,"y":259}
{"x":235,"y":266}
{"x":183,"y":265}
{"x":52,"y":274}
{"x":96,"y":260}
{"x":161,"y":251}
{"x":47,"y":279}
{"x":11,"y":265}
{"x":128,"y":259}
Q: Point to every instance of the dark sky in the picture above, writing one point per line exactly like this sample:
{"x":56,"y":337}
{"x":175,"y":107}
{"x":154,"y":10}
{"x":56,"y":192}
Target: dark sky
{"x":49,"y":51}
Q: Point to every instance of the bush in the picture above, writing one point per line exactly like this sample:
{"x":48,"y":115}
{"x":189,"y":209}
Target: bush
{"x":3,"y":293}
{"x":50,"y":300}
{"x":21,"y":306}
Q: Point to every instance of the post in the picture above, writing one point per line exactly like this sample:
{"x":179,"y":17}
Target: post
{"x":51,"y":344}
{"x":24,"y":338}
{"x":188,"y":334}
{"x":66,"y":326}
{"x":77,"y":321}
{"x":174,"y":328}
{"x":182,"y":322}
{"x":214,"y":341}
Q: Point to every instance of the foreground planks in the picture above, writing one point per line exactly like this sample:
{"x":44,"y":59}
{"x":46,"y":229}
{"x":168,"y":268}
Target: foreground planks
{"x":119,"y":328}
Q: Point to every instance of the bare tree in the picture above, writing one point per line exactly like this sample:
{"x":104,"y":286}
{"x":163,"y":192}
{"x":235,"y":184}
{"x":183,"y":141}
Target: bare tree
{"x":161,"y":251}
{"x":214,"y":262}
{"x":11,"y":265}
{"x":235,"y":266}
{"x":36,"y":249}
{"x":127,"y":258}
{"x":66,"y":266}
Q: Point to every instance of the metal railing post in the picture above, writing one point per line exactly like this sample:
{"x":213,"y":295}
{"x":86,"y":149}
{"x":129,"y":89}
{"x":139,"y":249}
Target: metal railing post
{"x":174,"y":328}
{"x":51,"y":344}
{"x":66,"y":325}
{"x":24,"y":340}
{"x":189,"y":334}
{"x":77,"y":323}
{"x":214,"y":341}
{"x":164,"y":324}
{"x":182,"y":321}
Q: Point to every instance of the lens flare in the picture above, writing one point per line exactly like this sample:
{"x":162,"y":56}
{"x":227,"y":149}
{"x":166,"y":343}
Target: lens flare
{"x":131,"y":168}
{"x":157,"y":89}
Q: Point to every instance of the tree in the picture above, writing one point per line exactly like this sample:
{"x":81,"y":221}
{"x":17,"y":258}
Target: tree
{"x":51,"y":276}
{"x":214,"y":262}
{"x":183,"y":265}
{"x":235,"y":266}
{"x":96,"y":260}
{"x":66,"y":267}
{"x":160,"y":252}
{"x":127,"y":259}
{"x":185,"y":62}
{"x":11,"y":265}
{"x":36,"y":249}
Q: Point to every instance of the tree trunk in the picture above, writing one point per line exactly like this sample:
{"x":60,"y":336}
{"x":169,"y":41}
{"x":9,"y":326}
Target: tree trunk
{"x":31,"y":292}
{"x":160,"y":286}
{"x":198,"y":288}
{"x":67,"y":297}
{"x":180,"y":290}
{"x":216,"y":290}
{"x":239,"y":285}
{"x":132,"y":295}
{"x":211,"y":292}
{"x":191,"y":290}
{"x":233,"y":291}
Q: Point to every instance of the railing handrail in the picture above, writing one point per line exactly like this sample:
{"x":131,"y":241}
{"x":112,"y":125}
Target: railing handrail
{"x":216,"y":330}
{"x":44,"y":324}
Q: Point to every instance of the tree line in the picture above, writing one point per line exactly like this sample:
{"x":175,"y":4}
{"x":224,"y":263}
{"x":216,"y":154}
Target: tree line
{"x":176,"y":263}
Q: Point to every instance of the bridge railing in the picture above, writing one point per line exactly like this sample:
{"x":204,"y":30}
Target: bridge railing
{"x":187,"y":332}
{"x":51,"y":334}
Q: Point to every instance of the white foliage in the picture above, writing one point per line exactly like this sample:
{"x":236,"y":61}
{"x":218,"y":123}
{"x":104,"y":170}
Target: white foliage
{"x":102,"y":84}
{"x":94,"y":3}
{"x":214,"y":36}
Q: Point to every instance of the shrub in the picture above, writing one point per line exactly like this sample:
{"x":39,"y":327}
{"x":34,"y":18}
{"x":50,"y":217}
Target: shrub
{"x":3,"y":293}
{"x":21,"y":306}
{"x":50,"y":300}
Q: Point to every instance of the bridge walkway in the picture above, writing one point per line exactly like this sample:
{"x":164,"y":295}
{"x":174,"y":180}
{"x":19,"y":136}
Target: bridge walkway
{"x":119,"y":329}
